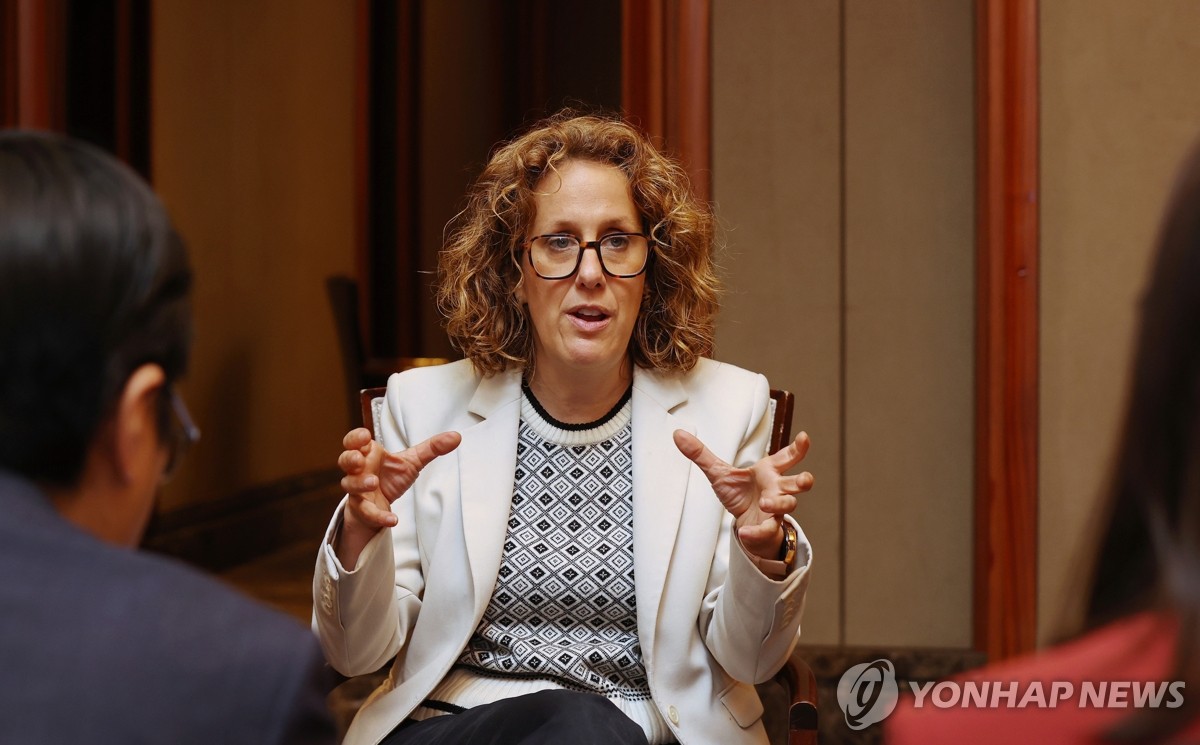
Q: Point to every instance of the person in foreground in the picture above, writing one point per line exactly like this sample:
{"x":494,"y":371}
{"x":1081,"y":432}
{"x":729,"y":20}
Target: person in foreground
{"x":101,"y":643}
{"x":1141,"y":623}
{"x":573,"y":535}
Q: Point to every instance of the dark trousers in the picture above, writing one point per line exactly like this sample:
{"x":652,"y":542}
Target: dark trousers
{"x":542,"y":718}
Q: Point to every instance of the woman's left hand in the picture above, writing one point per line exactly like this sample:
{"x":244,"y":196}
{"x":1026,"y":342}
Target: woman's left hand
{"x":759,"y":496}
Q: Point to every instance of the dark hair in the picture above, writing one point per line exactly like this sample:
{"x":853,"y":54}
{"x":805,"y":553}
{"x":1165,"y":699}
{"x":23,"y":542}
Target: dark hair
{"x":1149,"y":552}
{"x":94,"y":282}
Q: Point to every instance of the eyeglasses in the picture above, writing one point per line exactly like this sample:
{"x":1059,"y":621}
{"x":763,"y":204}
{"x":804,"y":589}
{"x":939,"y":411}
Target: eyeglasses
{"x":559,"y":255}
{"x":183,"y":435}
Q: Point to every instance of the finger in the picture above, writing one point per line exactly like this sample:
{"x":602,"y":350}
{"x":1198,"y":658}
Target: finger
{"x":801,"y":482}
{"x":351,"y":462}
{"x":435,"y":446}
{"x":357,"y":439}
{"x":792,"y":454}
{"x":371,"y":515}
{"x":759,"y":535}
{"x":360,"y":483}
{"x":779,"y":504}
{"x":697,"y":452}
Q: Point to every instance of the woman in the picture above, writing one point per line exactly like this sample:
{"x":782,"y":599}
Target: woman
{"x":1142,"y":615}
{"x":532,"y":510}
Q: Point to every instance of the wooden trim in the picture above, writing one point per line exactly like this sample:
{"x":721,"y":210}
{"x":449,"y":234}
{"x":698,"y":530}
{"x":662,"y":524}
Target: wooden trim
{"x":408,"y":303}
{"x":123,"y":80}
{"x":40,"y":64}
{"x":692,"y":82}
{"x":387,"y":155}
{"x":642,"y":59}
{"x":362,"y":163}
{"x":1006,"y":375}
{"x":9,"y":77}
{"x":131,"y":83}
{"x":666,"y":79}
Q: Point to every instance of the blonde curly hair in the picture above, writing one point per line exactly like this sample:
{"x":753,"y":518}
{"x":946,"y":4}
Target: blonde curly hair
{"x":480,"y":269}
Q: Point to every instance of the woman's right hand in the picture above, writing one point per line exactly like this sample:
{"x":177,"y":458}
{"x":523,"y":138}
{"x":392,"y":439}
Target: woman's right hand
{"x":374,"y":479}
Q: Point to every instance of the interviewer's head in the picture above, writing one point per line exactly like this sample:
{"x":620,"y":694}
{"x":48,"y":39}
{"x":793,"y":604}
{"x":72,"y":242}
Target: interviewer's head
{"x":95,"y":325}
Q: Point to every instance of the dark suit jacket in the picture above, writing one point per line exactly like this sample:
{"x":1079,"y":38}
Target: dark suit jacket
{"x":100,"y":644}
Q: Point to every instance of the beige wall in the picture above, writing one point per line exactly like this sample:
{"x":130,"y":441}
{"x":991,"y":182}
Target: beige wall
{"x":253,"y":154}
{"x":1119,"y":107}
{"x":881,"y":356}
{"x":870,"y":323}
{"x":776,"y":176}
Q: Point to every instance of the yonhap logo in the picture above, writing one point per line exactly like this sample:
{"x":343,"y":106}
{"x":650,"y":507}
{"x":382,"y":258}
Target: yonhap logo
{"x":867,"y":693}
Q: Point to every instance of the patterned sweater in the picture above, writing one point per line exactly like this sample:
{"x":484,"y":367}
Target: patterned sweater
{"x":563,"y":613}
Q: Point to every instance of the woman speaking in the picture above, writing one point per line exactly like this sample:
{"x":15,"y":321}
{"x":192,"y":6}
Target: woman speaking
{"x":574,"y":534}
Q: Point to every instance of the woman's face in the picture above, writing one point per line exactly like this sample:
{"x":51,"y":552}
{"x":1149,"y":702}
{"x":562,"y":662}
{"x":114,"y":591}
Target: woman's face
{"x":582,"y":323}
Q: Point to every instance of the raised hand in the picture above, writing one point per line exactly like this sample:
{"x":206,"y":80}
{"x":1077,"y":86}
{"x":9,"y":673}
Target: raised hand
{"x":759,"y":496}
{"x":374,"y":479}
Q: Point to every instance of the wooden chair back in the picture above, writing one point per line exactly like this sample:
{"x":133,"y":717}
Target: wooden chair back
{"x":781,"y":419}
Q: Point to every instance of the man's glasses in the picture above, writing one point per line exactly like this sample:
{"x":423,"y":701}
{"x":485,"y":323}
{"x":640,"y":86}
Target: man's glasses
{"x":182,"y":436}
{"x":559,"y":255}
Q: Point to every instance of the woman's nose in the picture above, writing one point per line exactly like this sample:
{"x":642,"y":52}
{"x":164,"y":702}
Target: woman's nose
{"x":591,"y":272}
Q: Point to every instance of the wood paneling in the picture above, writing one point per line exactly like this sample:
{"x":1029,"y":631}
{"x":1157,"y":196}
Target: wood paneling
{"x":34,"y":96}
{"x":79,"y":67}
{"x":387,"y":174}
{"x":666,"y":79}
{"x":1006,"y":537}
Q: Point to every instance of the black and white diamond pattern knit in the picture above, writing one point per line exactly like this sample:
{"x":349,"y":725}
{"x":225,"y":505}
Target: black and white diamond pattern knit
{"x":563,"y":608}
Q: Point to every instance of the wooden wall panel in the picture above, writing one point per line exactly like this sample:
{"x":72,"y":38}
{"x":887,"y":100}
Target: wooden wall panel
{"x":387,"y":174}
{"x":36,"y":30}
{"x":666,"y":79}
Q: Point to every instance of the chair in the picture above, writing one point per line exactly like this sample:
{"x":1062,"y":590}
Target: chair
{"x":790,"y":698}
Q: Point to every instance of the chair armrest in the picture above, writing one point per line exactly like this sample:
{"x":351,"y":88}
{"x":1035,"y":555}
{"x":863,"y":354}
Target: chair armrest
{"x":802,"y":711}
{"x":790,"y":704}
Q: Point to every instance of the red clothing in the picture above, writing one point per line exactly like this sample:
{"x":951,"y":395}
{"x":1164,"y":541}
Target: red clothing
{"x":1138,"y":649}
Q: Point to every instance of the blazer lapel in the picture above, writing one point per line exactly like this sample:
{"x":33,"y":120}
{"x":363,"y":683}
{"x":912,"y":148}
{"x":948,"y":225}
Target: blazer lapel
{"x":660,"y":478}
{"x":490,"y":449}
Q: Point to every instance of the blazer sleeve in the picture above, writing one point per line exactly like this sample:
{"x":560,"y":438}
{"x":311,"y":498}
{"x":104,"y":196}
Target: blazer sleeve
{"x":363,"y":616}
{"x":750,"y":623}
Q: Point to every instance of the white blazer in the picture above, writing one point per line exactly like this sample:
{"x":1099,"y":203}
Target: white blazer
{"x":710,"y":624}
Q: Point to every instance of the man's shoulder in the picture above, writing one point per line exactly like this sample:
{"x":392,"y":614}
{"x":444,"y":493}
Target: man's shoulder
{"x":126,"y":601}
{"x":196,"y":598}
{"x":137,"y":643}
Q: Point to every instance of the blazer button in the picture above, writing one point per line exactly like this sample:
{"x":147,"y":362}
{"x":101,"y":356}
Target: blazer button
{"x":673,"y":713}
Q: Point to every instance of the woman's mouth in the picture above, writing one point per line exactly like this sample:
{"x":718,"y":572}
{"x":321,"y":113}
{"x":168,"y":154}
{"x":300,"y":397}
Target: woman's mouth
{"x":589,"y":319}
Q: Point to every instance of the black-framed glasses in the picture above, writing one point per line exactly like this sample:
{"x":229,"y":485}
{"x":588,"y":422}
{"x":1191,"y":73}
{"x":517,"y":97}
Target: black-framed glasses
{"x":182,"y":436}
{"x":559,"y":255}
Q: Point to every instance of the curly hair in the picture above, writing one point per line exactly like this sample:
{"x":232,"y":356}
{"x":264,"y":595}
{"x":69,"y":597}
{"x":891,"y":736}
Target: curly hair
{"x":480,"y":269}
